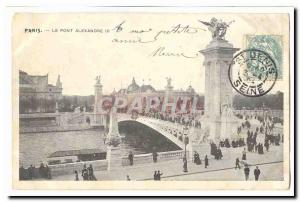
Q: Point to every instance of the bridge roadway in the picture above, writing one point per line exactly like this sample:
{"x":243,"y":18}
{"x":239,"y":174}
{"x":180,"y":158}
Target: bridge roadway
{"x":172,"y":131}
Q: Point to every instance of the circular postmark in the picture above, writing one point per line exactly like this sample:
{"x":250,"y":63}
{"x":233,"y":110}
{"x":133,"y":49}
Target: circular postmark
{"x":252,"y":73}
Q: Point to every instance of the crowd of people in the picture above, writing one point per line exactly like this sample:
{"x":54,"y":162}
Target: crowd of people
{"x":157,"y":175}
{"x":234,"y":143}
{"x":183,"y":119}
{"x":87,"y":173}
{"x":216,"y":151}
{"x":32,"y":172}
{"x":197,"y":160}
{"x":266,"y":130}
{"x":179,"y":132}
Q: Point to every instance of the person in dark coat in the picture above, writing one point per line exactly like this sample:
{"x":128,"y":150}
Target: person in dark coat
{"x":267,"y":145}
{"x":206,"y":161}
{"x":91,"y":173}
{"x":128,"y":178}
{"x":42,"y":171}
{"x":48,"y":172}
{"x":256,"y":173}
{"x":159,"y":174}
{"x":76,"y":175}
{"x":197,"y":159}
{"x":155,"y":175}
{"x":85,"y":173}
{"x":237,"y":163}
{"x":244,"y":157}
{"x":154,"y":155}
{"x":219,"y":153}
{"x":130,"y":157}
{"x":22,"y":173}
{"x":30,"y":172}
{"x":246,"y":171}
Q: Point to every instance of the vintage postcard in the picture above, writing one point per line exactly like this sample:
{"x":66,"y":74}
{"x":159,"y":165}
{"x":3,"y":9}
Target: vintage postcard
{"x":152,"y":100}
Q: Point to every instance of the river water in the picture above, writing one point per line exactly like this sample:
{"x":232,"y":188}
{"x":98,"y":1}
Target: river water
{"x":35,"y":147}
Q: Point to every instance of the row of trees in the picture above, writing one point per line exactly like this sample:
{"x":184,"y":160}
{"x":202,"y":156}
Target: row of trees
{"x":272,"y":101}
{"x":34,"y":104}
{"x":69,"y":103}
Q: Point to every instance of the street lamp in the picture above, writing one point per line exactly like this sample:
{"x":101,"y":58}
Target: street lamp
{"x":265,"y":114}
{"x":186,"y":142}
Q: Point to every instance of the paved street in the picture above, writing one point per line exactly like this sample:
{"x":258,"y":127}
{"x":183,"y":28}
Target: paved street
{"x":217,"y":170}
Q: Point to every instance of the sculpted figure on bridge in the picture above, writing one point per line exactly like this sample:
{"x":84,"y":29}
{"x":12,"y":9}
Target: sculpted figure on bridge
{"x":98,"y":79}
{"x":169,"y":80}
{"x":113,"y":137}
{"x":217,"y":28}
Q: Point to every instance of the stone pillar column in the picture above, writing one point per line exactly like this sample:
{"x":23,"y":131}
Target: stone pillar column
{"x":114,"y":156}
{"x":98,"y":96}
{"x":169,"y":89}
{"x":218,"y":90}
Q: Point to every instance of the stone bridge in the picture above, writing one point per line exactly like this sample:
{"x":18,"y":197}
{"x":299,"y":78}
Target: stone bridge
{"x":173,"y":132}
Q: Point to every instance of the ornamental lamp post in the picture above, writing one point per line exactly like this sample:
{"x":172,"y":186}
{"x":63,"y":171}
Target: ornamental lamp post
{"x":186,"y":142}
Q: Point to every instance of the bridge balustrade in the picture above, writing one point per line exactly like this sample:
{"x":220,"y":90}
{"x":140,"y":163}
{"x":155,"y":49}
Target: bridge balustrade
{"x":171,"y":128}
{"x":148,"y":158}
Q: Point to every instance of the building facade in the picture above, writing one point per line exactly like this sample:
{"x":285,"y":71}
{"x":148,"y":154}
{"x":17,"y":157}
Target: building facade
{"x":36,"y":95}
{"x":168,"y":94}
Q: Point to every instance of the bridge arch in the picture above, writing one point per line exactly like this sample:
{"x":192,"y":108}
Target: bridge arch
{"x":162,"y":129}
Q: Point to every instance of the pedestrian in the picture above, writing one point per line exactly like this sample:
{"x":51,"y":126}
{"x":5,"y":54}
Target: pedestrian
{"x":220,"y":155}
{"x":267,"y":145}
{"x":197,"y":159}
{"x":246,"y":171}
{"x":48,"y":172}
{"x":127,"y":178}
{"x":76,"y":176}
{"x":154,"y":155}
{"x":91,"y":173}
{"x":42,"y":171}
{"x":130,"y":157}
{"x":159,"y":175}
{"x":256,"y":173}
{"x":22,"y":173}
{"x":237,"y":163}
{"x":244,"y":157}
{"x":206,"y":161}
{"x":155,"y":175}
{"x":30,"y":172}
{"x":85,"y":173}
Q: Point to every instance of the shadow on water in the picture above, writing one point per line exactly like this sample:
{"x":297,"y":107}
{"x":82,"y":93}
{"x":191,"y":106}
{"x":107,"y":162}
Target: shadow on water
{"x":144,"y":139}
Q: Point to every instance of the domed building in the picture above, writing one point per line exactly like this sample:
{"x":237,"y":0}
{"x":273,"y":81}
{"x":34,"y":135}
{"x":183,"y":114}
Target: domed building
{"x":147,"y":89}
{"x":190,"y":90}
{"x":133,"y":87}
{"x":134,"y":90}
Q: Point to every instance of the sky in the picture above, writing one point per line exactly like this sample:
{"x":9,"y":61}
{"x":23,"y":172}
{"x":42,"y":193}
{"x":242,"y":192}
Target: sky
{"x":136,"y":48}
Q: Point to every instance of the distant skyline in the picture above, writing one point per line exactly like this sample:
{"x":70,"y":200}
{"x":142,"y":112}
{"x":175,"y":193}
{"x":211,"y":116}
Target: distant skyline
{"x":123,"y":85}
{"x":53,"y":81}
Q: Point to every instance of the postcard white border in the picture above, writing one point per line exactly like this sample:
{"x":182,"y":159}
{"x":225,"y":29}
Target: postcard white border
{"x":7,"y":102}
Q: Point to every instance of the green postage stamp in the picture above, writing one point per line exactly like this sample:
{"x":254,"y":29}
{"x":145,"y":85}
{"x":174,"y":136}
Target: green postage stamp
{"x":271,"y":44}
